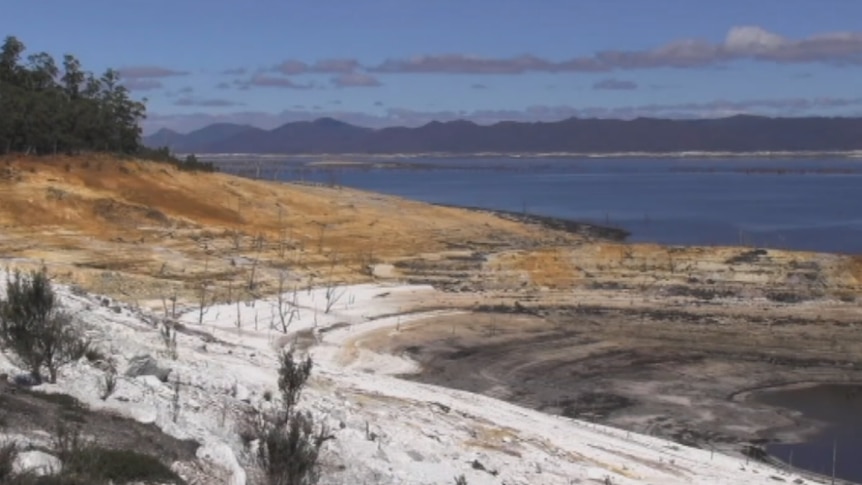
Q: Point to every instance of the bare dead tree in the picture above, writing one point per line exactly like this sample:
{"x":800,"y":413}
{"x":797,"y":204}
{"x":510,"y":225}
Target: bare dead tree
{"x":168,"y":332}
{"x":203,"y":307}
{"x":333,"y":292}
{"x":258,"y":245}
{"x":172,"y":311}
{"x":286,"y":310}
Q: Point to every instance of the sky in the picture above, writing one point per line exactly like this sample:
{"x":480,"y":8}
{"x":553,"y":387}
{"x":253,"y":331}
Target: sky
{"x":407,"y":62}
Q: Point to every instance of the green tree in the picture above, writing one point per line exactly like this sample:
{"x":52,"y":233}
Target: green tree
{"x":48,"y":111}
{"x":35,"y":328}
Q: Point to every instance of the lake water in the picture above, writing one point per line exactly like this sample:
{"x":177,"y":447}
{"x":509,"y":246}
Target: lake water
{"x":839,"y":409}
{"x":775,"y":203}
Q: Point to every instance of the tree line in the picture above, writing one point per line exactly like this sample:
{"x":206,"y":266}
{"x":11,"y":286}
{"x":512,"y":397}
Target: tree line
{"x":46,"y":109}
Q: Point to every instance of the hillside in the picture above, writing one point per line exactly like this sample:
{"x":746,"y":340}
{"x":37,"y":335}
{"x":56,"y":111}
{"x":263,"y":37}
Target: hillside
{"x":147,"y":223}
{"x":733,"y":134}
{"x":394,"y":300}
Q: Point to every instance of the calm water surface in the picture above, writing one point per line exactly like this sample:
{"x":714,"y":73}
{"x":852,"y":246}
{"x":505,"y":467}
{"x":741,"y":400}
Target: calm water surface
{"x":839,"y":408}
{"x":795,"y":204}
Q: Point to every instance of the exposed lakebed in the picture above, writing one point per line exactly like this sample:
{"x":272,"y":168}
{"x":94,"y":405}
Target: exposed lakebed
{"x":668,"y":375}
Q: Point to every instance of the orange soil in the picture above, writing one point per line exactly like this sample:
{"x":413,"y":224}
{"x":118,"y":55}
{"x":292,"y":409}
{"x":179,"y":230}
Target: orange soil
{"x":150,"y":219}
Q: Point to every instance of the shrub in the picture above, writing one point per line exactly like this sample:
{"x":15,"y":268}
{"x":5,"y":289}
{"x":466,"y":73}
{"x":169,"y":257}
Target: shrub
{"x":164,"y":155}
{"x":291,"y":378}
{"x":289,"y":452}
{"x":289,"y":443}
{"x":36,"y":329}
{"x":8,"y":453}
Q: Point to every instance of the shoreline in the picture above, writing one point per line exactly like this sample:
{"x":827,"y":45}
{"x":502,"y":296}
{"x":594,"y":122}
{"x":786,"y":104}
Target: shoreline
{"x":587,"y":229}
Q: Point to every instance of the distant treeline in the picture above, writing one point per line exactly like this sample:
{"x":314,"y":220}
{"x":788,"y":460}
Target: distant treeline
{"x":46,"y":109}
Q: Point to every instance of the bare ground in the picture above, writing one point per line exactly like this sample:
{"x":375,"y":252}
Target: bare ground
{"x":651,"y":338}
{"x":670,"y":373}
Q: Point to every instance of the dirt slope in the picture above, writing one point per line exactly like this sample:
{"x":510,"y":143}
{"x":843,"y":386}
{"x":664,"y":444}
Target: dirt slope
{"x":128,"y":227}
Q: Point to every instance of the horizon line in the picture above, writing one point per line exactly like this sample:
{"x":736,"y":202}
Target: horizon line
{"x":464,"y":120}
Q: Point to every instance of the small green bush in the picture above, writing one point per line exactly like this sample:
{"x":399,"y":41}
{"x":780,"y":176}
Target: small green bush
{"x":289,"y":442}
{"x":35,"y":328}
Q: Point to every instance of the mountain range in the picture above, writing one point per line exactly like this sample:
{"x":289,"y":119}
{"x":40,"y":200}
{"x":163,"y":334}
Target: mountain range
{"x":742,"y":133}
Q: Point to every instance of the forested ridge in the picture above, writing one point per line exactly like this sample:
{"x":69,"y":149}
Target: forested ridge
{"x":46,"y":109}
{"x":49,"y":109}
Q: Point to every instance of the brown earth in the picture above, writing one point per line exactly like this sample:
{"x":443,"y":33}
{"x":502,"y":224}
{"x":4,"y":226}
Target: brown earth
{"x":125,"y":228}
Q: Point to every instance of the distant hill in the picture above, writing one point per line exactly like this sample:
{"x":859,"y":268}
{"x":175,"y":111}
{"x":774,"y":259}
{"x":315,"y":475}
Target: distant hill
{"x":326,"y":135}
{"x":191,"y":142}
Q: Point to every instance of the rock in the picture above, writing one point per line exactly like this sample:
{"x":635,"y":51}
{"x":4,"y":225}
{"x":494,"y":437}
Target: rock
{"x":152,"y":382}
{"x":220,"y":454}
{"x":36,"y":462}
{"x":146,"y":365}
{"x":144,"y":414}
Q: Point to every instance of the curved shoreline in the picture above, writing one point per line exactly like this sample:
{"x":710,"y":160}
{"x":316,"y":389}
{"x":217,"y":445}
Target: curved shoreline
{"x":586,"y":229}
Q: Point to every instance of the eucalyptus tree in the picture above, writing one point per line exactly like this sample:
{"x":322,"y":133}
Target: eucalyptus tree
{"x":48,"y":110}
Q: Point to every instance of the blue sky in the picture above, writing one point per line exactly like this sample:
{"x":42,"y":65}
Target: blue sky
{"x":406,"y":62}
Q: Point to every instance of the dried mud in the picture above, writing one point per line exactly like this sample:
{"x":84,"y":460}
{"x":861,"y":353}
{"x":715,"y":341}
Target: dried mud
{"x":669,"y":373}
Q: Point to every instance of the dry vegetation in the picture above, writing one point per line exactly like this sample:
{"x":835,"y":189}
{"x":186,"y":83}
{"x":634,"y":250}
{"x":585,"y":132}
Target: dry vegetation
{"x":145,"y":231}
{"x":125,"y":228}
